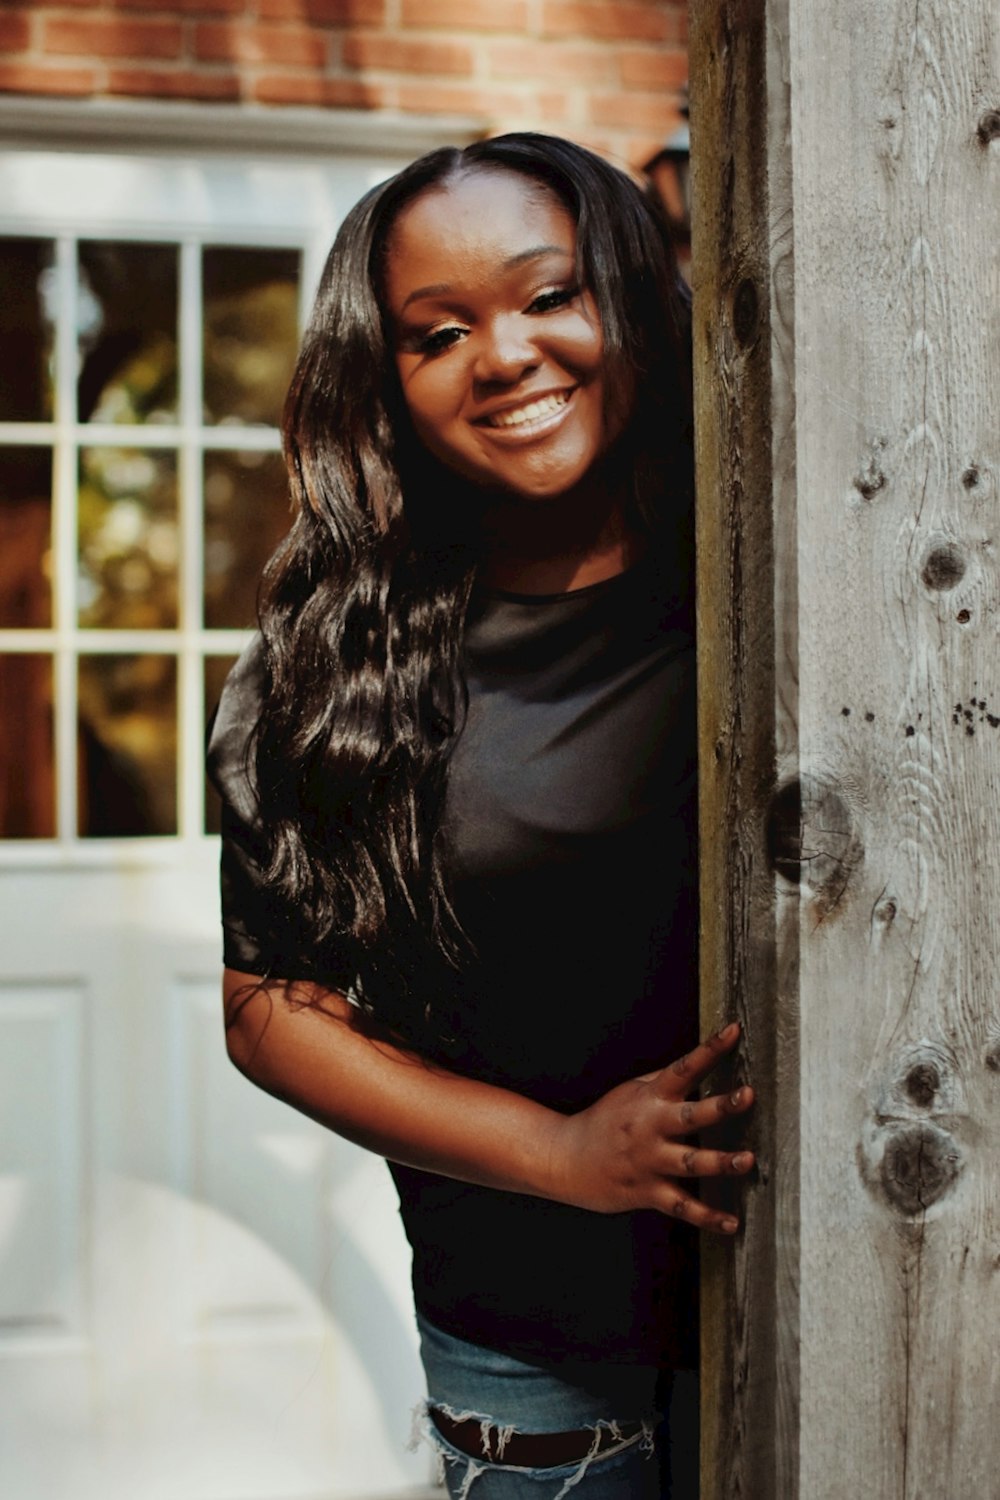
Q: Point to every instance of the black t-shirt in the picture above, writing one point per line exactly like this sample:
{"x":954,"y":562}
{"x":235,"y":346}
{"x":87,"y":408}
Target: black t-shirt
{"x":570,"y":821}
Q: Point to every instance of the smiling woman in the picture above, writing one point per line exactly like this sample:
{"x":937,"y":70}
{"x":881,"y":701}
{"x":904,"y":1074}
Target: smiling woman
{"x":501,"y":366}
{"x":469,"y":727}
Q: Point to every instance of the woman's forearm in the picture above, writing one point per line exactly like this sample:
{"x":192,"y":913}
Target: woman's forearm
{"x":307,"y":1046}
{"x":628,"y":1150}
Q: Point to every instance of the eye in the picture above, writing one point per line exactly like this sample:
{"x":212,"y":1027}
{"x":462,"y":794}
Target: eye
{"x":437,"y":340}
{"x":552,"y":300}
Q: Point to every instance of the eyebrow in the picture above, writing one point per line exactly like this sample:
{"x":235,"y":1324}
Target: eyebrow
{"x":440,"y":288}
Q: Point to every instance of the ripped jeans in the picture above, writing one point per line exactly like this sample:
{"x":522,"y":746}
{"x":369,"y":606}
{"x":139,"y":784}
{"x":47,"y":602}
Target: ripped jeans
{"x":507,"y":1398}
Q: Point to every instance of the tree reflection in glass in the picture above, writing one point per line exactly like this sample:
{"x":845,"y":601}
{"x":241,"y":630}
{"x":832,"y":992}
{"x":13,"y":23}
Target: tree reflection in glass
{"x":251,"y":332}
{"x":128,"y":539}
{"x":27,"y":332}
{"x":246,"y":515}
{"x":127,"y":332}
{"x":127,"y":746}
{"x":25,"y":538}
{"x":27,"y":752}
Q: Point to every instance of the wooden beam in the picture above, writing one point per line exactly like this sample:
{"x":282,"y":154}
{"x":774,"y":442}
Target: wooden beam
{"x":846,"y":171}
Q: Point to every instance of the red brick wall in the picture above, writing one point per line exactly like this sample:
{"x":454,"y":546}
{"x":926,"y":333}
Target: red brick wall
{"x":606,"y":72}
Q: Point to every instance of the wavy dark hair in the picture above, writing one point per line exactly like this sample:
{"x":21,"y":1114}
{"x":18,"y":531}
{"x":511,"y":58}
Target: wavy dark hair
{"x":363,"y":605}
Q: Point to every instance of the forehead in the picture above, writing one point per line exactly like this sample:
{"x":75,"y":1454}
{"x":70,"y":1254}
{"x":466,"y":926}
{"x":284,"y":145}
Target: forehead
{"x":473,"y":225}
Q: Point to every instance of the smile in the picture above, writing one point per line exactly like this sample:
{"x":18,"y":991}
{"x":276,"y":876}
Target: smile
{"x":533,"y":416}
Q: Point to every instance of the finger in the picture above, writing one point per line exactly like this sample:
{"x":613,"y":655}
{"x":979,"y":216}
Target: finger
{"x":678,"y":1204}
{"x":682,"y":1075}
{"x":699,"y":1114}
{"x":692,"y":1161}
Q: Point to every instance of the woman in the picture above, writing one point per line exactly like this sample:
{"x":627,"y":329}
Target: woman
{"x":459,"y":848}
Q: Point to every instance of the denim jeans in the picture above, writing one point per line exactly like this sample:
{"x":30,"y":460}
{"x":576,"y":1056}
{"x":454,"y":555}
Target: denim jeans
{"x":467,"y":1381}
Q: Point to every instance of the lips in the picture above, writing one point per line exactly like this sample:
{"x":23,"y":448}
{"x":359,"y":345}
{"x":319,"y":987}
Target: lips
{"x":532,"y":414}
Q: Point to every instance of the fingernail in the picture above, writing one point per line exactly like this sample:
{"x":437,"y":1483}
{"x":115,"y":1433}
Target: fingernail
{"x":736,"y":1097}
{"x":725,"y":1030}
{"x":742,"y":1160}
{"x":730,"y":1226}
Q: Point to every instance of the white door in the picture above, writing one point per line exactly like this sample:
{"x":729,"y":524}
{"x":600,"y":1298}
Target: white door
{"x":203,"y":1296}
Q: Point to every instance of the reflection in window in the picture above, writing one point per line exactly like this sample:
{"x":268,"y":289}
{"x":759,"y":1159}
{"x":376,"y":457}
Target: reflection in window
{"x":246,"y":515}
{"x":216,"y":669}
{"x":27,"y":754}
{"x":251,"y":300}
{"x":26,"y":330}
{"x":128,"y":539}
{"x":127,"y":746}
{"x":127,"y":331}
{"x":25,"y":537}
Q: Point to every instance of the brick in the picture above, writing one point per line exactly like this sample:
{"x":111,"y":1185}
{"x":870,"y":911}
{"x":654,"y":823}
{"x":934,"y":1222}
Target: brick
{"x":634,"y":112}
{"x":323,"y":12}
{"x":545,"y":61}
{"x":26,"y":78}
{"x":554,"y":108}
{"x":394,"y":54}
{"x":180,"y":83}
{"x":229,"y":41}
{"x":326,"y":93}
{"x":467,"y":15}
{"x":653,"y":68}
{"x":112,"y":38}
{"x":459,"y":99}
{"x":605,"y":18}
{"x":15,"y":31}
{"x":169,"y":7}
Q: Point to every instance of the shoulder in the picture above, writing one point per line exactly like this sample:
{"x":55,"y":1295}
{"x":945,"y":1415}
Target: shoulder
{"x":231,"y":727}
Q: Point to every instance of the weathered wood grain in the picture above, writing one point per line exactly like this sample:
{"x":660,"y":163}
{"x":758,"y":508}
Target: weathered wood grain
{"x":847,"y":166}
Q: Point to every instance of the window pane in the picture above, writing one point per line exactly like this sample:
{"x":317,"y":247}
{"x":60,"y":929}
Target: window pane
{"x":127,"y":330}
{"x":216,"y":668}
{"x":127,"y":749}
{"x":246,"y":515}
{"x":25,"y":537}
{"x":251,"y":300}
{"x":27,"y":756}
{"x":128,"y":539}
{"x":26,"y":330}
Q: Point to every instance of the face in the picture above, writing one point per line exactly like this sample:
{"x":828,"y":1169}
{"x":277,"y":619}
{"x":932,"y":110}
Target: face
{"x":498,"y":347}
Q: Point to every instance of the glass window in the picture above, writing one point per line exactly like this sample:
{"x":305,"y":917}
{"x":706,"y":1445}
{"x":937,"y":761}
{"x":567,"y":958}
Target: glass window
{"x":25,"y":538}
{"x":127,"y":746}
{"x":128,"y":538}
{"x":27,"y":752}
{"x":26,"y":330}
{"x":126,"y":311}
{"x":251,"y":330}
{"x":246,"y":515}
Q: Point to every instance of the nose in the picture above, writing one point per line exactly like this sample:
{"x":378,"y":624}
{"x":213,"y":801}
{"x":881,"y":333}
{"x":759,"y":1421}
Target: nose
{"x":505,"y":352}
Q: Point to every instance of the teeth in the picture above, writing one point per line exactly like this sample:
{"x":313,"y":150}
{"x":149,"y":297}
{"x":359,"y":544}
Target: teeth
{"x":530,"y":413}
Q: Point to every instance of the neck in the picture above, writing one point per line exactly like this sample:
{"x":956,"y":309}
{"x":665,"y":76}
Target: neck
{"x":557,"y":545}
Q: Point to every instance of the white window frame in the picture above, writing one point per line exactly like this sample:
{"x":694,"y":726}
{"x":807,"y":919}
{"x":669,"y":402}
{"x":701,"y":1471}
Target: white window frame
{"x":189,"y":175}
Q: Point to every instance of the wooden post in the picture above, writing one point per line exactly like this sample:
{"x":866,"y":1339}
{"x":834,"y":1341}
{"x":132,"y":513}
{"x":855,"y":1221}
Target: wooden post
{"x":847,"y":354}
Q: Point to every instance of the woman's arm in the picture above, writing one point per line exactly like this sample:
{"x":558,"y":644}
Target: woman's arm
{"x":308,"y":1046}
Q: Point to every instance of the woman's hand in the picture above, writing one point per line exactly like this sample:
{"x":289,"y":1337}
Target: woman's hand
{"x":630,"y":1149}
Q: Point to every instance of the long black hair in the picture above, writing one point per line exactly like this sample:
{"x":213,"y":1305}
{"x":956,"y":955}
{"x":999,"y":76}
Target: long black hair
{"x":363,"y":605}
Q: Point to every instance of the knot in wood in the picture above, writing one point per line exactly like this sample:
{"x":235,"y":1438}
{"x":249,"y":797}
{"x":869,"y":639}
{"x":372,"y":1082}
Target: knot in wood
{"x":746,"y":311}
{"x":922,"y":1083}
{"x":921,"y":1163}
{"x":812,"y":840}
{"x":992,"y":1058}
{"x":988,"y":128}
{"x":970,"y":478}
{"x":944,"y":567}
